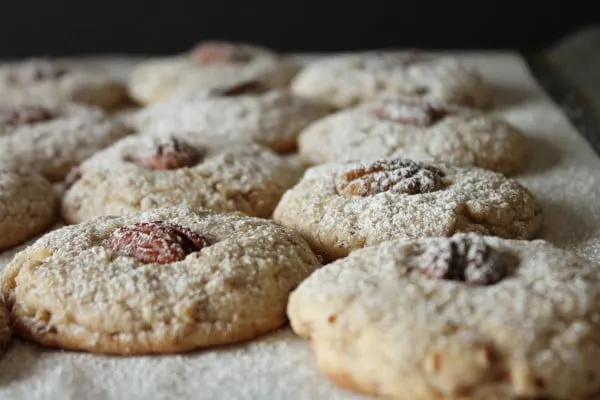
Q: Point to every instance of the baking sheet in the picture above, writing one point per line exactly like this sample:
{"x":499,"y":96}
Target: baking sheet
{"x":564,"y":173}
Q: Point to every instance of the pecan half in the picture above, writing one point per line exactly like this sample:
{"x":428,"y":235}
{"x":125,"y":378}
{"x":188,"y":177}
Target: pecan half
{"x":240,"y":89}
{"x":170,"y":154}
{"x":418,"y":113}
{"x":157,"y":242}
{"x":24,"y":115}
{"x":37,"y":70}
{"x":395,"y":176}
{"x":463,"y":257}
{"x":214,"y":52}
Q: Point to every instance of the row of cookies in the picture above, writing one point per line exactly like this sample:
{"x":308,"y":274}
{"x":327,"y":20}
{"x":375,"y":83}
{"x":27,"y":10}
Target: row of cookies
{"x":337,"y":208}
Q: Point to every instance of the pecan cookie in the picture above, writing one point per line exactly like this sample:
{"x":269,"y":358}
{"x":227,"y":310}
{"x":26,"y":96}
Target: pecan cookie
{"x":27,"y":206}
{"x":346,"y":80}
{"x":340,"y":207}
{"x":160,"y":170}
{"x":52,"y":139}
{"x":52,"y":81}
{"x":414,"y":128}
{"x":160,"y":281}
{"x":208,"y":65}
{"x":466,"y":317}
{"x":248,"y":111}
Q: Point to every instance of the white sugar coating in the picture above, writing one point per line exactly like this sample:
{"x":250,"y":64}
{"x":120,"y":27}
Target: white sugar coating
{"x":274,"y":118}
{"x":89,"y":86}
{"x":347,"y":80}
{"x":459,"y":135}
{"x":158,"y":79}
{"x":231,"y":176}
{"x":539,"y":325}
{"x":336,"y":218}
{"x":54,"y":146}
{"x":83,"y":294}
{"x":27,"y":205}
{"x":563,"y":173}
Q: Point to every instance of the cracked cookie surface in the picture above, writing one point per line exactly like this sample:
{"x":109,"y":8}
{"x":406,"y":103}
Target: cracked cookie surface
{"x":160,"y":281}
{"x":47,"y":80}
{"x":52,"y":139}
{"x":379,"y":326}
{"x":340,"y":207}
{"x":347,"y":80}
{"x":148,"y":171}
{"x":28,"y":205}
{"x":273,"y":118}
{"x":415,"y":128}
{"x":159,"y":79}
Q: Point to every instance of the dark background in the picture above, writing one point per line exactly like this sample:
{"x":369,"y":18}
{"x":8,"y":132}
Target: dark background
{"x":70,"y":27}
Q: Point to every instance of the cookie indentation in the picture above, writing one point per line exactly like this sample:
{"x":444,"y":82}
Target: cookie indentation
{"x":410,"y":113}
{"x":214,"y":52}
{"x":156,"y":242}
{"x":464,"y":258}
{"x":35,"y":71}
{"x":169,"y":154}
{"x":24,"y":115}
{"x":398,"y":176}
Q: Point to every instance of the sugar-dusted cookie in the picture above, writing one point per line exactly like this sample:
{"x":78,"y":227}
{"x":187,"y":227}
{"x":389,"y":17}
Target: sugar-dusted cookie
{"x":346,"y":80}
{"x":5,"y":328}
{"x":466,"y":317}
{"x":248,"y":111}
{"x":53,"y":138}
{"x":28,"y":205}
{"x":160,"y":281}
{"x":45,"y":80}
{"x":208,"y":65}
{"x":340,"y":207}
{"x":415,"y":128}
{"x":160,"y":170}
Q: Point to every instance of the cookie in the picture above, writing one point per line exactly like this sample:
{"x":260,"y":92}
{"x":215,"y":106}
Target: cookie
{"x":27,"y":206}
{"x":340,"y":207}
{"x":52,"y":139}
{"x":416,"y":129}
{"x":45,"y":80}
{"x":466,"y":317}
{"x":249,"y":111}
{"x":160,"y":281}
{"x":347,"y":80}
{"x":5,"y":328}
{"x":153,"y":171}
{"x":208,"y":65}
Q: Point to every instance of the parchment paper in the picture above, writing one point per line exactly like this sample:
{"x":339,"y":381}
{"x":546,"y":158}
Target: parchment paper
{"x":564,"y":173}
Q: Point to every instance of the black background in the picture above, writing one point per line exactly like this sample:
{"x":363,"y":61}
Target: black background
{"x":70,"y":27}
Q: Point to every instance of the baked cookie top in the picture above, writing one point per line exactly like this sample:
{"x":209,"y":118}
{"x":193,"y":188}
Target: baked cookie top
{"x":416,"y":129}
{"x":249,"y":111}
{"x":27,"y":206}
{"x":166,"y":280}
{"x":339,"y":207}
{"x":462,"y":317}
{"x":45,"y":80}
{"x":347,"y":80}
{"x":5,"y":328}
{"x":162,"y":169}
{"x":53,"y":138}
{"x":208,"y":65}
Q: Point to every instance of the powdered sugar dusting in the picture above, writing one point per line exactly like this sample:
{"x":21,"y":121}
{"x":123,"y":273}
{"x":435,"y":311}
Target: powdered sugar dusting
{"x":563,"y":174}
